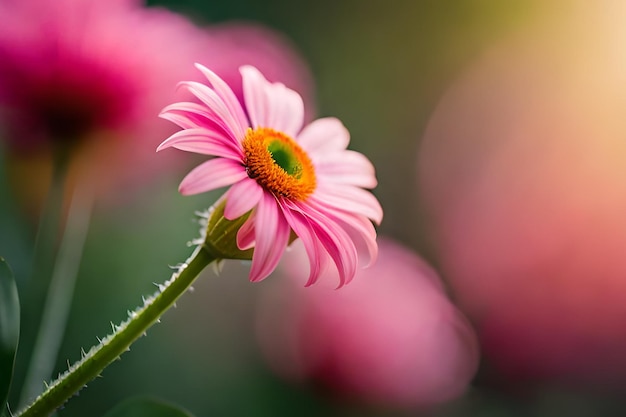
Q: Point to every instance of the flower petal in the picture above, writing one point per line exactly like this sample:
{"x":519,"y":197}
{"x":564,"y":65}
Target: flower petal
{"x":212,"y":174}
{"x":323,"y":136}
{"x":359,"y":228}
{"x":254,"y":95}
{"x":241,"y":198}
{"x":245,"y":234}
{"x":228,"y":97}
{"x":271,"y":237}
{"x":347,"y":167}
{"x":216,"y":105}
{"x":203,"y":141}
{"x":362,"y":233}
{"x":350,"y":199}
{"x":286,"y":109}
{"x":339,"y":247}
{"x":335,"y":240}
{"x":271,"y":105}
{"x":318,"y":258}
{"x":179,"y":118}
{"x":192,"y":115}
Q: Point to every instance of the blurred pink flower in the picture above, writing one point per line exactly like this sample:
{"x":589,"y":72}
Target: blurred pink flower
{"x":91,"y":76}
{"x":522,"y":174}
{"x":289,"y":177}
{"x":390,"y":338}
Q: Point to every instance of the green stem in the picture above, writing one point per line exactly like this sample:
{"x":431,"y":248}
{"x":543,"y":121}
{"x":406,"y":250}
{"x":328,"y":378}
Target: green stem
{"x":100,"y":356}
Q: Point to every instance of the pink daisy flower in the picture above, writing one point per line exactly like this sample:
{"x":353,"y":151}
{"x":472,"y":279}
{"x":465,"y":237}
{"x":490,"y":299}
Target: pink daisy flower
{"x":290,"y":178}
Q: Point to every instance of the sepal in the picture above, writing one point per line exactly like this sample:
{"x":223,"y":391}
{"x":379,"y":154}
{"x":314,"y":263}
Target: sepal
{"x":219,"y":235}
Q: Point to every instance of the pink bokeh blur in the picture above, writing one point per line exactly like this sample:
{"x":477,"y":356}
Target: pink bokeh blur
{"x":91,"y":76}
{"x":390,"y":338}
{"x":523,"y":175}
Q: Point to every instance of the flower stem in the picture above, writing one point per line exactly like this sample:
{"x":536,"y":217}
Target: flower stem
{"x":59,"y":298}
{"x":50,"y":221}
{"x":110,"y":348}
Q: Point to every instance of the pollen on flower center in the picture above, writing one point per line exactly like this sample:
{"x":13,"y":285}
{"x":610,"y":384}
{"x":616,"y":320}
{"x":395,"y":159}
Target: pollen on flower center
{"x":278,"y":164}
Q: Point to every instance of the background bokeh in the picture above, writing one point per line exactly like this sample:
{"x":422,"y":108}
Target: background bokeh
{"x":381,"y":67}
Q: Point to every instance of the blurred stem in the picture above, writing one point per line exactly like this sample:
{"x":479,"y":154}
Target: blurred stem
{"x":60,"y":293}
{"x":51,"y":215}
{"x":49,"y":224}
{"x":110,"y":348}
{"x":45,"y":249}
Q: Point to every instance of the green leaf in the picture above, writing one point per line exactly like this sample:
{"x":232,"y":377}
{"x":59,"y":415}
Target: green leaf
{"x":9,"y":330}
{"x":146,"y":407}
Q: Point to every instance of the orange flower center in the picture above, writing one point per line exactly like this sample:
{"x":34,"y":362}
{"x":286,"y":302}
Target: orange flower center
{"x":278,"y":163}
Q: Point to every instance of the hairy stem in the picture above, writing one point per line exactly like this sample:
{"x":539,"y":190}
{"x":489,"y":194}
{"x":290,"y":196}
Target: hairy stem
{"x":110,"y":348}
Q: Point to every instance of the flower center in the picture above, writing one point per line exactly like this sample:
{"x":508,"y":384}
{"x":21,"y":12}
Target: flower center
{"x":278,"y":164}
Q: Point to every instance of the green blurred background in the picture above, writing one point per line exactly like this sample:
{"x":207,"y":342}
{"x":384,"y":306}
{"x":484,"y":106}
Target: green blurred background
{"x":380,"y":66}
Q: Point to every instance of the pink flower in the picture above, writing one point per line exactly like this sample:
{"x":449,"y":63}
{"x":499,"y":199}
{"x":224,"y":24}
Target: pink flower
{"x":290,"y":178}
{"x":89,"y":76}
{"x":522,"y":175}
{"x":391,"y":337}
{"x":73,"y":68}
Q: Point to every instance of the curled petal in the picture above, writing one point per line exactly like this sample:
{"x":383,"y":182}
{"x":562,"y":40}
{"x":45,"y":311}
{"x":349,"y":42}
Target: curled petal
{"x":335,"y":240}
{"x":245,"y":234}
{"x":360,"y":230}
{"x":203,"y":141}
{"x":179,"y":118}
{"x":318,"y":258}
{"x":271,"y":238}
{"x":339,"y":247}
{"x":193,"y":115}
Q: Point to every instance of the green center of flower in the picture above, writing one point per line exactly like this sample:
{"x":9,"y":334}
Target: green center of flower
{"x":278,"y":164}
{"x":285,"y":158}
